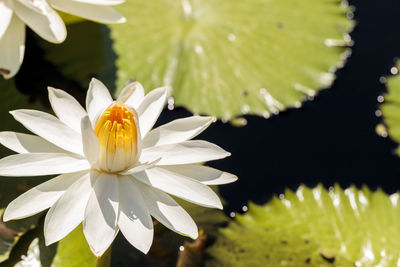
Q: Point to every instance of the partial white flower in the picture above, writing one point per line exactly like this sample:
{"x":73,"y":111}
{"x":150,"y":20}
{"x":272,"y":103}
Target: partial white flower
{"x":32,"y":257}
{"x":115,"y":171}
{"x":40,"y":16}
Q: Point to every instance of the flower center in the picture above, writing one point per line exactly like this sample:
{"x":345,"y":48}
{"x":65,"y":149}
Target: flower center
{"x":117,"y":131}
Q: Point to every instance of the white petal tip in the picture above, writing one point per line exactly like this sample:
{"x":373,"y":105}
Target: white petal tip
{"x":232,"y":178}
{"x":97,"y":253}
{"x":61,"y":38}
{"x":144,"y":249}
{"x":47,"y":242}
{"x":52,"y":89}
{"x":164,"y":91}
{"x":194,"y":235}
{"x":94,"y":80}
{"x":6,"y":218}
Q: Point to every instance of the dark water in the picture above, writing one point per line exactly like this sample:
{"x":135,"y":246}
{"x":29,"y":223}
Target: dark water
{"x":331,"y":139}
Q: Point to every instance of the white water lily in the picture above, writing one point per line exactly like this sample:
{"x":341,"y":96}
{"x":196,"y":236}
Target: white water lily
{"x":40,"y":16}
{"x":115,"y":171}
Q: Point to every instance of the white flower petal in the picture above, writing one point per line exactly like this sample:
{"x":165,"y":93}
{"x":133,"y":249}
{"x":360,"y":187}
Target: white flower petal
{"x":90,"y":142}
{"x":177,"y":131}
{"x":35,"y":164}
{"x":180,"y":186}
{"x":141,"y":167}
{"x":101,"y":2}
{"x":67,"y":109}
{"x":203,"y":174}
{"x":165,"y":209}
{"x":69,"y":210}
{"x":98,"y":99}
{"x":187,"y":152}
{"x":101,"y":214}
{"x":42,"y":19}
{"x":6,"y":11}
{"x":150,"y":108}
{"x":50,"y":128}
{"x":99,"y":13}
{"x":135,"y":97}
{"x":27,"y":143}
{"x":12,"y":48}
{"x":40,"y":197}
{"x":134,"y":219}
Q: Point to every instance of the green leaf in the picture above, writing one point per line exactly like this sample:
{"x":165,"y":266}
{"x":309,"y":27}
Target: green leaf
{"x":73,"y":251}
{"x":230,"y":58}
{"x":238,"y":245}
{"x":86,"y":53}
{"x":359,"y":226}
{"x":391,"y":107}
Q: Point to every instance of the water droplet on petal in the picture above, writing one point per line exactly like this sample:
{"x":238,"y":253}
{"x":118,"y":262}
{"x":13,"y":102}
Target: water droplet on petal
{"x":232,"y":214}
{"x":244,"y":208}
{"x":394,"y":70}
{"x":380,"y":99}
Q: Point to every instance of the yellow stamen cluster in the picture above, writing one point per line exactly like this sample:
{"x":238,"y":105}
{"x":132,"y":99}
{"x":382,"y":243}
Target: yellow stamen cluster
{"x":116,"y":130}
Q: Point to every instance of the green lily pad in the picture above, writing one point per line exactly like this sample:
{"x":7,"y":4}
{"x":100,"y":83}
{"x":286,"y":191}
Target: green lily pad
{"x":73,"y":251}
{"x":357,"y":226}
{"x":86,"y":53}
{"x":227,"y":59}
{"x":238,"y":245}
{"x":391,"y":106}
